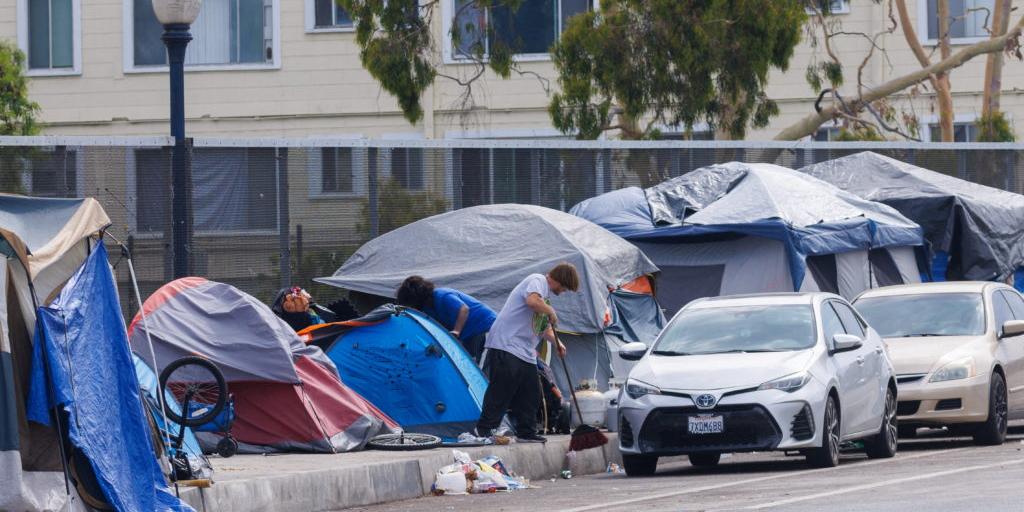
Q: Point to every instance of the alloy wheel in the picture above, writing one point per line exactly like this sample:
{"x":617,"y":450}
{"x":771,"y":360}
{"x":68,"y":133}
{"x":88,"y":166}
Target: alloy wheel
{"x":1000,"y":408}
{"x":891,"y":430}
{"x":832,"y":428}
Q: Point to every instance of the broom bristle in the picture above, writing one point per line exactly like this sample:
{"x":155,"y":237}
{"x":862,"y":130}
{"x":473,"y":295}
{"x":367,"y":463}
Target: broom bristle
{"x":586,"y":437}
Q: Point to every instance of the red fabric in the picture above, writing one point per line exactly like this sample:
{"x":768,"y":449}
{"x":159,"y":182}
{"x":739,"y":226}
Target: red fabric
{"x":270,"y":413}
{"x":641,"y":285}
{"x":164,"y":294}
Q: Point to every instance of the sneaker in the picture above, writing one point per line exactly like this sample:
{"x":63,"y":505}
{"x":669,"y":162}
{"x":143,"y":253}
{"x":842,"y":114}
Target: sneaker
{"x":482,"y":432}
{"x":531,"y":438}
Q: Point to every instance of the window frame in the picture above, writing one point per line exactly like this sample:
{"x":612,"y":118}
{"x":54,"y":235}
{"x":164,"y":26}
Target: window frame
{"x":922,"y":29}
{"x":21,"y":14}
{"x":447,"y":51}
{"x":310,"y":19}
{"x":925,"y":123}
{"x":28,"y":173}
{"x":128,"y":40}
{"x":844,"y":9}
{"x":360,"y":171}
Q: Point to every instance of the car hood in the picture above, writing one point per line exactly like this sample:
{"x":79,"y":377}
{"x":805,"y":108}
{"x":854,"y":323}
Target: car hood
{"x":920,"y":355}
{"x":719,"y":371}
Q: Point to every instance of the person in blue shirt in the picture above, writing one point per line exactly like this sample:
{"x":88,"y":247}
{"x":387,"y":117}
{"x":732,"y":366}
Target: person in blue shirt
{"x":468,"y":319}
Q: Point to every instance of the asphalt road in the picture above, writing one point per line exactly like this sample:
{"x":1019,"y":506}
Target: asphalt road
{"x":933,"y":473}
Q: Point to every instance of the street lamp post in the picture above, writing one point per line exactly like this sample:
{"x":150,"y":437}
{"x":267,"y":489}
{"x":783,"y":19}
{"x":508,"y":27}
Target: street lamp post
{"x":176,"y":16}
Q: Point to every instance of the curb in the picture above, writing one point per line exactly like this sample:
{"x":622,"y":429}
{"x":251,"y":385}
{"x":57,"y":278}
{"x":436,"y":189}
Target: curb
{"x":345,"y":487}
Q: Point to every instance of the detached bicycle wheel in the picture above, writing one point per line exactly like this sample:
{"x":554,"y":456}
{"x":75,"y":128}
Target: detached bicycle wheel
{"x":199,"y":388}
{"x":406,"y":441}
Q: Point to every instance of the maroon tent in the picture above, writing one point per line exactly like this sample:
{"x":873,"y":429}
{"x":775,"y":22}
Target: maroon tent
{"x":288,"y":395}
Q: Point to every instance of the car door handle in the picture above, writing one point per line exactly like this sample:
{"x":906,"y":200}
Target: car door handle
{"x":879,"y":350}
{"x":860,"y":360}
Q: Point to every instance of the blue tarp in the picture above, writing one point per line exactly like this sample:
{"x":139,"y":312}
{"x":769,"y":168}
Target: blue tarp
{"x":412,"y":370}
{"x":92,"y":378}
{"x":810,"y":217}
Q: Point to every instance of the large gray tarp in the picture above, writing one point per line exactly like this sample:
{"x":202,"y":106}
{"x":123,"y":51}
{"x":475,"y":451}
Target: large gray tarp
{"x":486,"y":250}
{"x":982,"y":228}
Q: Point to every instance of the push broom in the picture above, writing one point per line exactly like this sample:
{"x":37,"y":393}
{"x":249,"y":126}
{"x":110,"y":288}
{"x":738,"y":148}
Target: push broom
{"x":584,"y":436}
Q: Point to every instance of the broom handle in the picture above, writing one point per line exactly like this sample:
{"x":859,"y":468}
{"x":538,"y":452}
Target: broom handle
{"x":572,"y":390}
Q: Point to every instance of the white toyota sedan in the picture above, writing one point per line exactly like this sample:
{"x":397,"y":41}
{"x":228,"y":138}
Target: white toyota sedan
{"x":796,"y":371}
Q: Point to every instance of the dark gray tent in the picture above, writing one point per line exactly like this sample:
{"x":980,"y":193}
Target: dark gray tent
{"x":980,"y":229}
{"x":486,"y":250}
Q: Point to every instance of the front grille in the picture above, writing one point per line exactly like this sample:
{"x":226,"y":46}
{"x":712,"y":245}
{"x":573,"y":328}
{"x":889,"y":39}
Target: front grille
{"x":948,"y":404}
{"x":909,"y":377}
{"x":907,"y":407}
{"x":803,"y":424}
{"x":625,"y":432}
{"x":747,"y":428}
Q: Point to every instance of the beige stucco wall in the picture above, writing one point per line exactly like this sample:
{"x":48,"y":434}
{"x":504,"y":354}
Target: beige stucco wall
{"x":320,"y":87}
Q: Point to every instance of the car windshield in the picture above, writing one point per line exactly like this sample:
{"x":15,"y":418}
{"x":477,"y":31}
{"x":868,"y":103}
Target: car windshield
{"x":935,"y":314}
{"x":738,"y":329}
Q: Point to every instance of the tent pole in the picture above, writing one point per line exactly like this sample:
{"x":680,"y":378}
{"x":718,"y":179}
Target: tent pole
{"x":49,"y":388}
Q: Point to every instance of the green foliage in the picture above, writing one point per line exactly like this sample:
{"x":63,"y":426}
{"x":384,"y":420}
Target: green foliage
{"x":398,"y":206}
{"x":679,"y":62}
{"x":17,"y":112}
{"x":994,"y":127}
{"x":859,"y":133}
{"x":18,"y":115}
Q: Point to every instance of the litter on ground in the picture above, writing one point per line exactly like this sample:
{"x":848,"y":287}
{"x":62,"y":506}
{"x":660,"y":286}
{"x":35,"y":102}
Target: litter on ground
{"x":486,"y":475}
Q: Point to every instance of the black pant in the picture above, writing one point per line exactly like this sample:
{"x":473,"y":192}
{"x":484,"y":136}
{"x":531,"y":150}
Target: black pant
{"x":513,"y":385}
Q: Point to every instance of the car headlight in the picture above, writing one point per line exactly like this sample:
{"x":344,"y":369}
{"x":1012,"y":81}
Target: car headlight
{"x":955,"y":370}
{"x":636,"y":389}
{"x":789,"y":383}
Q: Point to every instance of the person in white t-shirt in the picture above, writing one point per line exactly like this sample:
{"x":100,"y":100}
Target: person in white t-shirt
{"x":510,"y":359}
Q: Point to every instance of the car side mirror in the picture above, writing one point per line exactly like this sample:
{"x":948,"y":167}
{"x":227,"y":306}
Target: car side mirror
{"x":1012,"y":328}
{"x":633,"y":351}
{"x":845,"y":343}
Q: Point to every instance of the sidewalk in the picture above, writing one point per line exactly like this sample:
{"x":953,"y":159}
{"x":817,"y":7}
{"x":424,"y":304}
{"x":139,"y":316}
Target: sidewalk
{"x":308,"y":482}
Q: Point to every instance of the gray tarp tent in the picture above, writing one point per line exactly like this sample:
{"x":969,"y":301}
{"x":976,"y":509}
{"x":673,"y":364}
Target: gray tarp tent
{"x":979,"y":228}
{"x":44,"y":242}
{"x":750,"y":228}
{"x":486,"y":250}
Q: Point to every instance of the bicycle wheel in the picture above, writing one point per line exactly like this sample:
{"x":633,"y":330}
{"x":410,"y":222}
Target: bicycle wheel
{"x":406,"y":441}
{"x":199,"y":388}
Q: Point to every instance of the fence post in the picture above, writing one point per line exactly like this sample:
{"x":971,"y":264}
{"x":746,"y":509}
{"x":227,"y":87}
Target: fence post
{"x":298,"y":252}
{"x":283,"y":219}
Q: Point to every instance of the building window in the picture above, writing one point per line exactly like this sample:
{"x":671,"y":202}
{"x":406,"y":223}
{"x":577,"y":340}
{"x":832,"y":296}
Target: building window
{"x":828,"y":134}
{"x":407,"y":167}
{"x":530,"y":29}
{"x":327,"y":14}
{"x":834,"y":6}
{"x":54,"y":173}
{"x":336,"y":171}
{"x":233,"y":190}
{"x":48,"y":33}
{"x":967,"y":19}
{"x":227,"y":32}
{"x":962,"y":132}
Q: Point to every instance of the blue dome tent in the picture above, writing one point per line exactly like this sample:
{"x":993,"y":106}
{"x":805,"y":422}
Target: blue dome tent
{"x":408,"y":366}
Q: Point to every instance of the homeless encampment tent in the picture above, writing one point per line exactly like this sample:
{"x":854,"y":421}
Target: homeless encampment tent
{"x":288,"y":396}
{"x":46,"y":243}
{"x":486,"y":251}
{"x":976,"y":232}
{"x":750,"y":228}
{"x":408,"y":366}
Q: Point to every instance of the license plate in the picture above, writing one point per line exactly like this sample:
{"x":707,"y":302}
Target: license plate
{"x":706,"y":424}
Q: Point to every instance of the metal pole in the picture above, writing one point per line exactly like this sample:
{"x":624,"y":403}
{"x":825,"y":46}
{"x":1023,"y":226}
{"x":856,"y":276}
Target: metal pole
{"x":283,"y":217}
{"x":177,"y":37}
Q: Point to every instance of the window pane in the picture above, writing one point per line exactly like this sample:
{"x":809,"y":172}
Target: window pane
{"x":407,"y":167}
{"x":250,"y":31}
{"x":38,"y":34}
{"x":323,"y":11}
{"x":967,"y":18}
{"x":529,"y":29}
{"x":940,"y":314}
{"x":336,"y":170}
{"x":214,"y":34}
{"x":62,"y":45}
{"x":54,"y":173}
{"x":469,"y":24}
{"x":571,"y":8}
{"x":149,"y":50}
{"x":830,"y":323}
{"x":849,"y":320}
{"x":341,"y":17}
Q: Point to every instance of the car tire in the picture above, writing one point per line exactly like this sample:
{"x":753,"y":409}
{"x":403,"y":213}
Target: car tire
{"x":993,"y":431}
{"x":883,"y":444}
{"x":705,"y":459}
{"x":639,"y":465}
{"x":827,"y":455}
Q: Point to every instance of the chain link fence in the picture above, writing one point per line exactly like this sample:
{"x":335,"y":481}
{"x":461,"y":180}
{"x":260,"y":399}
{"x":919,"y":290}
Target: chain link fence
{"x":274,"y":213}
